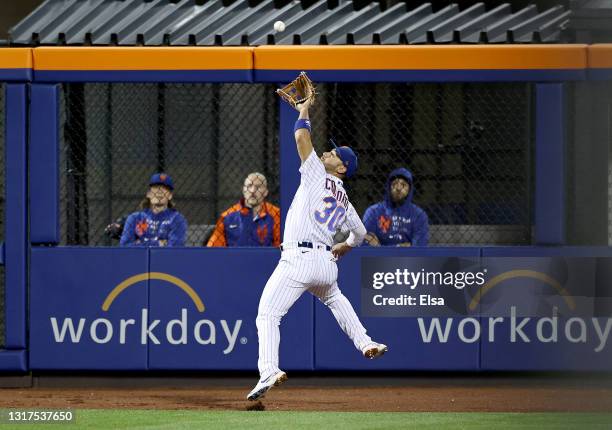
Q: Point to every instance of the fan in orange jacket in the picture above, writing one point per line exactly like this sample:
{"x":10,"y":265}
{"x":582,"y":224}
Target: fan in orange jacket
{"x":250,"y":222}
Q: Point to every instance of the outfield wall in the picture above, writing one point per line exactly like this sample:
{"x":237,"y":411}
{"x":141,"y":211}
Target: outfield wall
{"x":32,"y":197}
{"x":195,"y":309}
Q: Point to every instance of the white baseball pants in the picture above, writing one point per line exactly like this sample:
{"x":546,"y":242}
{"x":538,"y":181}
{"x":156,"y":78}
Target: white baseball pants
{"x":299,"y":270}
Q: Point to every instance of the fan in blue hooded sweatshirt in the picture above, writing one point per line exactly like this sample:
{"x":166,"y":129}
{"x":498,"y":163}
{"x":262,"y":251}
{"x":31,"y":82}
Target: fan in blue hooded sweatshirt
{"x":397,"y":221}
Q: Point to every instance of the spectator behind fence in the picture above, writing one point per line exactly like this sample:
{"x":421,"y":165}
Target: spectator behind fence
{"x":158,"y":223}
{"x":396,"y":221}
{"x":252,"y":221}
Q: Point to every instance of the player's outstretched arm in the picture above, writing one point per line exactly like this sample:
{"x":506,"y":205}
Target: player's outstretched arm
{"x":302,"y":134}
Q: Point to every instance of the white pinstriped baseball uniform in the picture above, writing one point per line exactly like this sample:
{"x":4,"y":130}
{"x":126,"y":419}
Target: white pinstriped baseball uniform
{"x":319,"y":207}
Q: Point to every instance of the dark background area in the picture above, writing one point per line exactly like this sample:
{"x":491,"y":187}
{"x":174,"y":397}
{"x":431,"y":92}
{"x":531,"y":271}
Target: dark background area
{"x":13,"y":11}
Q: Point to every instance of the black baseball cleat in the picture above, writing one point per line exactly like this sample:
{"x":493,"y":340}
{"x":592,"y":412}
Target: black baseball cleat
{"x":374,"y":350}
{"x":264,"y":386}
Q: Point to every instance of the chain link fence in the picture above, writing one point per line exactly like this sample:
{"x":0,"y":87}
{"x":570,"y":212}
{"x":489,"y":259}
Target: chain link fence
{"x":2,"y":206}
{"x":207,"y":137}
{"x":467,"y":145}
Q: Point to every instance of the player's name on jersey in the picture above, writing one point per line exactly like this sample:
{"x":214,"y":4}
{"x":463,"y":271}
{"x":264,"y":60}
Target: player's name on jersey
{"x":338,"y":193}
{"x":408,"y":300}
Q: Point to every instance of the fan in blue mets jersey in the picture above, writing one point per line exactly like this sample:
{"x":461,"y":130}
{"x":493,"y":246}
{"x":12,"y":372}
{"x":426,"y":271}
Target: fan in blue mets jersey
{"x":158,"y":223}
{"x":308,"y":260}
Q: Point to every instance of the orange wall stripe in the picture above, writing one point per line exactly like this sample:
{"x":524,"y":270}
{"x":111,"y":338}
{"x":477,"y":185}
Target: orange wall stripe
{"x":132,"y":58}
{"x":432,"y":57}
{"x":15,"y":58}
{"x":600,"y":56}
{"x":311,"y":57}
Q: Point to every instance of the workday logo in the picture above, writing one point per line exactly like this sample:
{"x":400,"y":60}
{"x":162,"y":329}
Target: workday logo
{"x":547,"y":329}
{"x":142,"y":328}
{"x":543,"y":278}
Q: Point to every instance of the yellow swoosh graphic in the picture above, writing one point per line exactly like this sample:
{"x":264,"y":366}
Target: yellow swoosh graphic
{"x":153,"y":275}
{"x":522,"y":274}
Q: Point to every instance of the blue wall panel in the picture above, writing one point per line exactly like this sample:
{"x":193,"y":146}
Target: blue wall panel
{"x":550,"y":170}
{"x":424,"y":75}
{"x":407,"y":351}
{"x":229,"y":282}
{"x":213,"y":289}
{"x":503,"y":354}
{"x":71,"y":285}
{"x":546,"y":291}
{"x":15,"y":75}
{"x":13,"y":361}
{"x":547,"y":251}
{"x":16,"y":216}
{"x":44,"y":164}
{"x":599,"y":74}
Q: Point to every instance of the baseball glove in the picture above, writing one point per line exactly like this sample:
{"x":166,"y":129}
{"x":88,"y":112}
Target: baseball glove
{"x":300,"y":90}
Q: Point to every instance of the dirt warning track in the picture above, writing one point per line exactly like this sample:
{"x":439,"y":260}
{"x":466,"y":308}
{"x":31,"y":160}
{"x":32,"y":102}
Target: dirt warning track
{"x":332,"y":394}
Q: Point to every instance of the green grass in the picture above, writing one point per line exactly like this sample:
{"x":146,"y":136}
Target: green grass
{"x":146,"y":419}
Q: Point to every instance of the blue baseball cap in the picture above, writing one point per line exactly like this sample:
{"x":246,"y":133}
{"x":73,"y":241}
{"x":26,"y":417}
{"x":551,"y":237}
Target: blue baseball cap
{"x":348,"y":157}
{"x":162,"y":179}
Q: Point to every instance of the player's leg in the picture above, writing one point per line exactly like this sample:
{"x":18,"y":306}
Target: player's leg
{"x":343,"y":311}
{"x":279,"y":294}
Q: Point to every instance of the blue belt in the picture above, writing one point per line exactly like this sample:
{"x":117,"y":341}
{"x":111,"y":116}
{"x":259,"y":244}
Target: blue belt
{"x":307,"y":245}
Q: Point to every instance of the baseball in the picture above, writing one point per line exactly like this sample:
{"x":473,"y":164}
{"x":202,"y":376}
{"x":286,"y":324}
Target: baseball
{"x":279,"y":26}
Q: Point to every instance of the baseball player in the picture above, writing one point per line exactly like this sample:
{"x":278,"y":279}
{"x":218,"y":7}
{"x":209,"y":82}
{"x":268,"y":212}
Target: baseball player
{"x":308,"y":261}
{"x":158,"y":223}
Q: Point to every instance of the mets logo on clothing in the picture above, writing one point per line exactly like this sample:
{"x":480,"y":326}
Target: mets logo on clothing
{"x":384,"y":223}
{"x":185,"y":325}
{"x":262,"y":233}
{"x":141,"y":227}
